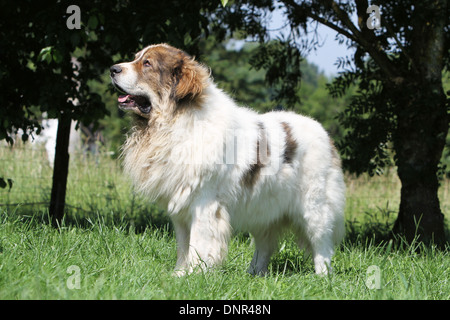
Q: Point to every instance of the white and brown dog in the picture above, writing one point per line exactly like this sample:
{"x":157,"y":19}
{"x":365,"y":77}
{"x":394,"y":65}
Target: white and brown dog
{"x":216,"y":166}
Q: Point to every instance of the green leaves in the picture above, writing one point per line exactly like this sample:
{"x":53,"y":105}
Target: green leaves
{"x":281,"y":61}
{"x":49,"y":54}
{"x":369,"y":123}
{"x":45,"y":55}
{"x":92,"y":22}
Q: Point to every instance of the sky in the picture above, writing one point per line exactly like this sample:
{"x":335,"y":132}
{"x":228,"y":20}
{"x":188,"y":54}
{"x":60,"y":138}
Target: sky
{"x":327,"y":54}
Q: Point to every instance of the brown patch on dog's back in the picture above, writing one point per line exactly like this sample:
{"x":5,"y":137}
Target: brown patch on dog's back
{"x":262,"y":157}
{"x":290,"y":144}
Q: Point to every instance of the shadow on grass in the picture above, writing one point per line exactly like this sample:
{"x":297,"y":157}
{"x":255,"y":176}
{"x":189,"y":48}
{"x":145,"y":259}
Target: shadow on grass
{"x":376,"y":228}
{"x":138,"y":221}
{"x":372,"y":229}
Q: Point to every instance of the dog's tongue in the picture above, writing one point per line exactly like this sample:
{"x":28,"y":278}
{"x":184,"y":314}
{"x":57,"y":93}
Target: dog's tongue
{"x":123,"y":98}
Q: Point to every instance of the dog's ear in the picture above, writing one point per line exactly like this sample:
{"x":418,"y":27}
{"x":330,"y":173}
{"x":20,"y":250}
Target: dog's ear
{"x":190,"y":78}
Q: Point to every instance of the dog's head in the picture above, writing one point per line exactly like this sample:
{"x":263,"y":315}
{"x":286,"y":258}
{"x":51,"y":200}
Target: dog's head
{"x":160,"y":76}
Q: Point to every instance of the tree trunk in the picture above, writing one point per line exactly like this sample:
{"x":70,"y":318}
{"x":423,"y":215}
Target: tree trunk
{"x":422,"y":127}
{"x":60,"y":170}
{"x":419,"y":143}
{"x":420,"y":216}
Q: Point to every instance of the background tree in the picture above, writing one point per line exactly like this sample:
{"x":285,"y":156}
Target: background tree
{"x":39,"y":74}
{"x":400,"y":99}
{"x":47,"y":67}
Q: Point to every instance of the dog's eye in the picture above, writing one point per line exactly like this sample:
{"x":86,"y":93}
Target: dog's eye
{"x":147,"y":63}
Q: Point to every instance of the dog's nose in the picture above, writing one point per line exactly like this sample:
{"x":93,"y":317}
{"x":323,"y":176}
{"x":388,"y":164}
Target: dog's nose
{"x":115,"y":69}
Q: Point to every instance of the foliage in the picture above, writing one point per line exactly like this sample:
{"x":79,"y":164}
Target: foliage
{"x":38,"y":70}
{"x":47,"y":67}
{"x":39,"y":73}
{"x":445,"y":160}
{"x":281,"y":62}
{"x":370,"y":122}
{"x":316,"y":101}
{"x":231,"y":69}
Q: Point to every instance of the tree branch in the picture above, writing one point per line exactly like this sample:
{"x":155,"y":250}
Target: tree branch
{"x":296,"y":7}
{"x":332,"y":26}
{"x":361,"y":9}
{"x":373,"y":48}
{"x":366,"y":40}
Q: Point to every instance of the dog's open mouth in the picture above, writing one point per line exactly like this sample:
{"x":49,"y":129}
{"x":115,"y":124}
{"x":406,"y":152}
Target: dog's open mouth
{"x":129,"y":102}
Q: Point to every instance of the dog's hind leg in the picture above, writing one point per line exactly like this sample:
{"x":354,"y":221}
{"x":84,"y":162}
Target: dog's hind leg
{"x":319,"y":236}
{"x":322,"y":254}
{"x":265,"y":244}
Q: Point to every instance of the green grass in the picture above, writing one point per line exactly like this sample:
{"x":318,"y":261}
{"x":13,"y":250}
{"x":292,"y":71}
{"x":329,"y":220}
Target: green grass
{"x":118,"y":263}
{"x":124,"y":248}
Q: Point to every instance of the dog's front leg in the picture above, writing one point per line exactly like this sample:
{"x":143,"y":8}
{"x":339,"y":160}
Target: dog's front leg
{"x":209,"y":235}
{"x":182,"y":234}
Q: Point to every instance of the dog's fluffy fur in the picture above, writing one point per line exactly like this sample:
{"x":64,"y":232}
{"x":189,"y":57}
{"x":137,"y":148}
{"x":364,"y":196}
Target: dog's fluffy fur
{"x":216,"y":166}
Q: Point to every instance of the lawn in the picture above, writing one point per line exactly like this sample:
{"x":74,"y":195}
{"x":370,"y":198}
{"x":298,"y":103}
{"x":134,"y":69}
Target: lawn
{"x":113,"y":245}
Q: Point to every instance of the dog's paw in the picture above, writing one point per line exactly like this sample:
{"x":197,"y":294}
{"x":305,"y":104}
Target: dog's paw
{"x":179,"y":273}
{"x":257,"y":272}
